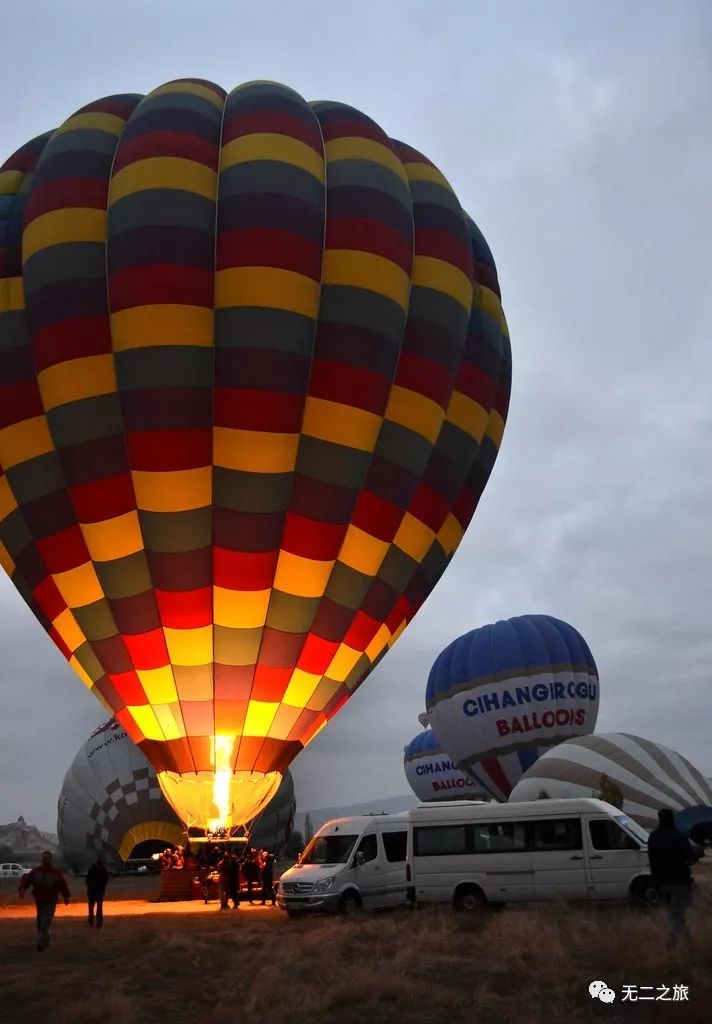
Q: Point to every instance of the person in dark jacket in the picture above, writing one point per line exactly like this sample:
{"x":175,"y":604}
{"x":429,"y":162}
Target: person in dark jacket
{"x":97,"y":880}
{"x":47,"y":884}
{"x":268,"y":879}
{"x":670,"y":855}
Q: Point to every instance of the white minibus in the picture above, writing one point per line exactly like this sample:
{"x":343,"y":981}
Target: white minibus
{"x":471,"y":855}
{"x":350,"y":864}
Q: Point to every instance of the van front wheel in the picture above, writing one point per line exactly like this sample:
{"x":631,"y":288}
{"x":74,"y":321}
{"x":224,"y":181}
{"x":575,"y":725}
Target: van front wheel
{"x":349,"y":904}
{"x":469,"y":899}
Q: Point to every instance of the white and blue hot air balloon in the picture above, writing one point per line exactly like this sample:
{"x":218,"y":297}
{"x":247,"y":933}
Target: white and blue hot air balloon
{"x":432,"y":775}
{"x":499,"y":696}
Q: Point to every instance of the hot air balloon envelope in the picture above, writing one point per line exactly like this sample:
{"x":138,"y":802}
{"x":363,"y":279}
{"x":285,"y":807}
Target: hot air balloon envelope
{"x":254,"y":375}
{"x":500,"y":695}
{"x":432,"y":775}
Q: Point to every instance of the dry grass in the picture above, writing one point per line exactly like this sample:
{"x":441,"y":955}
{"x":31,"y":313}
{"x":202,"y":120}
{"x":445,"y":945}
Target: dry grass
{"x":528,"y":965}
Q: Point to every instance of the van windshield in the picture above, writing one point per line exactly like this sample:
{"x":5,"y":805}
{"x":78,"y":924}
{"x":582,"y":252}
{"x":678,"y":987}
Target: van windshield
{"x":333,"y":849}
{"x":633,"y":828}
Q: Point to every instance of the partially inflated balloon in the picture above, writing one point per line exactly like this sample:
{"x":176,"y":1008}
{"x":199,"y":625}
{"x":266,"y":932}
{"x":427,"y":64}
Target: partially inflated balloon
{"x":254,"y":374}
{"x":431,"y":773}
{"x":500,"y":695}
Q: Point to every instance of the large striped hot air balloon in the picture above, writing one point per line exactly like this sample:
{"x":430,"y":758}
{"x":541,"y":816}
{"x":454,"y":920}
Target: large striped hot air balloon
{"x":254,"y":374}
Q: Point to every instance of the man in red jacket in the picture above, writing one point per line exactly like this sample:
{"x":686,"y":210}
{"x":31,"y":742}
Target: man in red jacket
{"x":47,"y":884}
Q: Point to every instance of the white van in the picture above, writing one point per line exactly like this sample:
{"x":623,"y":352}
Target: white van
{"x":351,"y":863}
{"x":471,"y":855}
{"x":13,"y":871}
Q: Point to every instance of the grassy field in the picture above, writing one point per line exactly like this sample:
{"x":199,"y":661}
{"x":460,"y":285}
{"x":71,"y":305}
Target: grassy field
{"x":411,"y":967}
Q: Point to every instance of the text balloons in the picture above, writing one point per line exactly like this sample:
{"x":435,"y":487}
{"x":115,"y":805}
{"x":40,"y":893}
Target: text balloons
{"x":500,"y":695}
{"x":254,"y":375}
{"x":432,"y":775}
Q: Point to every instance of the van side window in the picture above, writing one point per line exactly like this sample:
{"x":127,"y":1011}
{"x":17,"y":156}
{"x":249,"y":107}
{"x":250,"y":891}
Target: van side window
{"x":607,"y":835}
{"x":502,"y":837}
{"x":368,"y":847}
{"x":561,"y":834}
{"x":439,"y":839}
{"x":394,"y":843}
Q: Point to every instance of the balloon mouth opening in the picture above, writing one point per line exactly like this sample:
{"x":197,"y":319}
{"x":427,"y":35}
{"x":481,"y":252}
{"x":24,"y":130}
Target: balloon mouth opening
{"x":219,"y":802}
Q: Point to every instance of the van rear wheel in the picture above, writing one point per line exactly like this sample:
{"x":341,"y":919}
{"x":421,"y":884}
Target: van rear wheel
{"x":644,"y":894}
{"x":469,"y":899}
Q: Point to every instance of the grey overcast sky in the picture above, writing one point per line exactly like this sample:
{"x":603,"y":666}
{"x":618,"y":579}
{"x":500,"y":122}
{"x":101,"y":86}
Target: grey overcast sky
{"x":579,"y":137}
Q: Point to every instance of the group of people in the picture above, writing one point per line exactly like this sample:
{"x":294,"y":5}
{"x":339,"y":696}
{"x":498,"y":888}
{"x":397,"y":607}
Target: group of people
{"x":251,"y":868}
{"x":670,"y":854}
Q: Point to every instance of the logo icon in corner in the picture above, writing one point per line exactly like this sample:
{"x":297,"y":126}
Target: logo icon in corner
{"x":599,"y":990}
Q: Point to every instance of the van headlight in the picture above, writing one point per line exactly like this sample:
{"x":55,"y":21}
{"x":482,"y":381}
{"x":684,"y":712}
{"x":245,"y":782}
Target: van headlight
{"x":324,"y":885}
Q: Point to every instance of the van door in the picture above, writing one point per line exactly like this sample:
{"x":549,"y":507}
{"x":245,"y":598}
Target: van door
{"x":613,"y":858}
{"x":502,"y":861}
{"x":558,"y":858}
{"x":394,"y":866}
{"x":368,"y":872}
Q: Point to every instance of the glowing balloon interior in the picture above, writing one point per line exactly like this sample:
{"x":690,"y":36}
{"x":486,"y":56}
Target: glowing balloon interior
{"x":254,"y":375}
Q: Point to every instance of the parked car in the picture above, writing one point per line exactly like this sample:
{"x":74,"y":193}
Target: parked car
{"x":473,"y":855}
{"x":350,"y":864}
{"x":11,"y":871}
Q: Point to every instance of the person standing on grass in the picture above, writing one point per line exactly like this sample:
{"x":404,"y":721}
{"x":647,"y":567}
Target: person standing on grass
{"x":47,"y":883}
{"x":97,"y":880}
{"x":268,"y":879}
{"x":670,"y":855}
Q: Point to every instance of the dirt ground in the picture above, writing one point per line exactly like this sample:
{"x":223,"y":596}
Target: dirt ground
{"x":189,"y":964}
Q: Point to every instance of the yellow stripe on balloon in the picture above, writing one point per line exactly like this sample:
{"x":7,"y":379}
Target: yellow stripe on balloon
{"x":340,"y":424}
{"x":79,"y":586}
{"x":441,"y":276}
{"x":12,"y":295}
{"x":73,"y":224}
{"x":342,"y":662}
{"x":92,"y":121}
{"x":113,"y":538}
{"x":190,"y":646}
{"x":357,"y":269}
{"x":23,"y":441}
{"x":163,"y":172}
{"x":158,"y":684}
{"x":259,"y":717}
{"x":176,"y":491}
{"x":356,"y":148}
{"x":272,"y":146}
{"x":83,"y":674}
{"x":302,"y":577}
{"x":69,"y":629}
{"x":254,"y":451}
{"x":416,"y":412}
{"x":76,"y":379}
{"x":467,"y":414}
{"x":450,"y":534}
{"x":240,"y":609}
{"x":300,"y":688}
{"x":495,"y":427}
{"x":489,"y":303}
{"x":192,"y":89}
{"x":413,"y":537}
{"x":10,"y":182}
{"x":378,"y":644}
{"x":165,"y":324}
{"x":418,"y":171}
{"x":362,"y":551}
{"x":8,"y":504}
{"x":269,"y":287}
{"x":6,"y":560}
{"x":146,"y":721}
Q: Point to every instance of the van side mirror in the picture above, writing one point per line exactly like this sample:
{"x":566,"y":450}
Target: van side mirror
{"x":359,"y":859}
